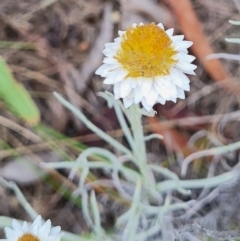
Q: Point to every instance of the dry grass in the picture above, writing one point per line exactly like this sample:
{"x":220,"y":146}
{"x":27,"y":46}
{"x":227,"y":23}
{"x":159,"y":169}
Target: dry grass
{"x":66,"y":38}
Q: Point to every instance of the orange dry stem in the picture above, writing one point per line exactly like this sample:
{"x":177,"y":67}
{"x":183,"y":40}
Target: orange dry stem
{"x":192,"y":29}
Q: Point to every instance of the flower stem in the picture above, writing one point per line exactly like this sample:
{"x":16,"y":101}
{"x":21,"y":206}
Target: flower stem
{"x":139,"y":147}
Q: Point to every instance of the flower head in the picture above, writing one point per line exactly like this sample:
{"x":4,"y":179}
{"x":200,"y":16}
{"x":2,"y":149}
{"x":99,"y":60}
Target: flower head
{"x":37,"y":231}
{"x":147,"y":64}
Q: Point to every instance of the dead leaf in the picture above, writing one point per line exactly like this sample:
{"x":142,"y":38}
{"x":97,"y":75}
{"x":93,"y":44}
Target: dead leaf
{"x":21,"y":171}
{"x":95,"y":56}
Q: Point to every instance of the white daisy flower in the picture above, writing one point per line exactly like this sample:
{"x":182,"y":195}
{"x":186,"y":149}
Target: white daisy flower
{"x":37,"y":231}
{"x":147,"y":65}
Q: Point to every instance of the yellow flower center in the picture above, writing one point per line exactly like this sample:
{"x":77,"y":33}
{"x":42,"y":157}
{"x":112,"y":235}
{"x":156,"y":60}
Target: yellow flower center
{"x":28,"y":237}
{"x":146,"y":51}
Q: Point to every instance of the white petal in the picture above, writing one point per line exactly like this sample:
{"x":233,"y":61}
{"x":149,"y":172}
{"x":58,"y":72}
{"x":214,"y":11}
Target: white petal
{"x":37,"y":222}
{"x":125,"y":88}
{"x":34,"y":230}
{"x":184,"y":77}
{"x":115,"y":76}
{"x":121,"y":32}
{"x":137,"y":95}
{"x":109,"y":52}
{"x":185,"y":87}
{"x":116,"y":90}
{"x":190,"y":72}
{"x":161,"y":88}
{"x":175,"y":77}
{"x":110,"y":69}
{"x":146,"y":86}
{"x":16,"y":225}
{"x":152,"y":96}
{"x":25,"y":227}
{"x":109,"y":60}
{"x":45,"y":229}
{"x":166,"y":87}
{"x":185,"y":57}
{"x":169,"y":32}
{"x":183,"y":45}
{"x":146,"y":105}
{"x":185,"y":51}
{"x":139,"y":80}
{"x":161,"y":100}
{"x":161,"y":26}
{"x":105,"y":69}
{"x":8,"y":232}
{"x":118,"y":40}
{"x":127,"y":102}
{"x":171,"y":87}
{"x":173,"y":99}
{"x":186,"y":67}
{"x":131,"y":94}
{"x":55,"y":230}
{"x":109,"y":80}
{"x":133,"y":82}
{"x":177,"y":38}
{"x":101,"y":69}
{"x":111,"y":45}
{"x":121,"y":76}
{"x":180,"y":93}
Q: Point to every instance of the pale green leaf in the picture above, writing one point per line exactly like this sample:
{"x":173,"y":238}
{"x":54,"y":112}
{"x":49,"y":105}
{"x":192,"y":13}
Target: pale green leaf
{"x":233,"y":40}
{"x":16,"y":97}
{"x":234,"y":22}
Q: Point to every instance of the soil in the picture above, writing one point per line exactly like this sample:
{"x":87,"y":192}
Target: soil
{"x":65,"y":39}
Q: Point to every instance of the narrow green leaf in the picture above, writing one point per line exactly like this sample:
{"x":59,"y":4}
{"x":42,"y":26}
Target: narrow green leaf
{"x":16,"y":96}
{"x":233,"y":40}
{"x":17,"y":45}
{"x":234,"y":22}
